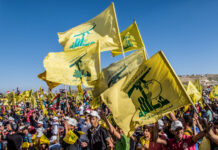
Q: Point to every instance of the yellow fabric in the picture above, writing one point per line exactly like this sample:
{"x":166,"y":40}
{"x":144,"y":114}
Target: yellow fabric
{"x":145,"y":95}
{"x":103,"y":124}
{"x":198,"y":85}
{"x":188,"y":132}
{"x":70,"y":137}
{"x":81,"y":132}
{"x":25,"y":145}
{"x":144,"y":141}
{"x":131,"y":40}
{"x":70,"y":67}
{"x":214,"y":92}
{"x":103,"y":27}
{"x":44,"y":140}
{"x":205,"y":144}
{"x":193,"y":92}
{"x":95,"y":103}
{"x":11,"y":98}
{"x":45,"y":112}
{"x":116,"y":71}
{"x":50,"y":84}
{"x":80,"y":89}
{"x":33,"y":102}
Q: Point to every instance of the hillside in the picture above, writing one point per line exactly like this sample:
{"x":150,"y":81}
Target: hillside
{"x":205,"y":80}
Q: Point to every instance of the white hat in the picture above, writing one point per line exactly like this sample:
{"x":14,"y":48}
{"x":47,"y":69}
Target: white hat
{"x":11,"y":119}
{"x":160,"y":124}
{"x":40,"y":122}
{"x":176,"y":124}
{"x":40,"y":132}
{"x":53,"y":138}
{"x":21,"y":127}
{"x":95,"y":114}
{"x":88,"y":111}
{"x":55,"y":118}
{"x":66,"y":118}
{"x":72,"y":122}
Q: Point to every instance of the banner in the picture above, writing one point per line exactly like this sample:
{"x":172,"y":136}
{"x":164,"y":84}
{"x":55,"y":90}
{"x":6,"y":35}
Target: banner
{"x":198,"y":85}
{"x":50,"y":84}
{"x":145,"y":95}
{"x":214,"y":92}
{"x":131,"y":40}
{"x":74,"y":67}
{"x":103,"y":27}
{"x":193,"y":92}
{"x":117,"y":71}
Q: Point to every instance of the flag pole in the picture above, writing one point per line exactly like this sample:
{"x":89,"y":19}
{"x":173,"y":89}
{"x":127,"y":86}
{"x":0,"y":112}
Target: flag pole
{"x":144,"y":48}
{"x":65,"y":90}
{"x":119,"y":33}
{"x":179,"y":82}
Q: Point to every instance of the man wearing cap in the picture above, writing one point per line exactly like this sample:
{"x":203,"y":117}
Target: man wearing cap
{"x":13,"y":124}
{"x":70,"y":124}
{"x":99,"y":138}
{"x":181,"y":141}
{"x":54,"y":139}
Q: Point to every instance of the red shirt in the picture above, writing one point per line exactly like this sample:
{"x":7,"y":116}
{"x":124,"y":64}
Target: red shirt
{"x":185,"y":144}
{"x":28,"y":115}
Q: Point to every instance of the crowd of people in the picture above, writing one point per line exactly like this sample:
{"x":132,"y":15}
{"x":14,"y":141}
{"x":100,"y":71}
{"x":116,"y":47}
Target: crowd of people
{"x":75,"y":126}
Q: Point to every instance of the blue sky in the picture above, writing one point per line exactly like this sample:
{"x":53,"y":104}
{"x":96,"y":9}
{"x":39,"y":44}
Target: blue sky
{"x":186,"y":30}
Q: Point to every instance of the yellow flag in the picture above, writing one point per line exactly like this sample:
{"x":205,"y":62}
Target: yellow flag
{"x":116,"y":71}
{"x":214,"y":92}
{"x":95,"y":103}
{"x":72,"y":67}
{"x":198,"y":85}
{"x":103,"y":27}
{"x":44,"y":140}
{"x":131,"y":40}
{"x":193,"y":92}
{"x":70,"y":137}
{"x":145,"y":95}
{"x":50,"y":84}
{"x":80,"y":89}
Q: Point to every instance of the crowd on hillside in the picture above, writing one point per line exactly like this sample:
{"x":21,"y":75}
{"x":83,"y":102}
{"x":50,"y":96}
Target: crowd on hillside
{"x":75,"y":126}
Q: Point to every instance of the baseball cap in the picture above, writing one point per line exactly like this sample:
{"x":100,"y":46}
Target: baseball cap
{"x":55,"y":118}
{"x":66,"y":118}
{"x":11,"y":119}
{"x":95,"y":114}
{"x":176,"y":124}
{"x":40,"y":122}
{"x":72,"y":122}
{"x":88,"y":111}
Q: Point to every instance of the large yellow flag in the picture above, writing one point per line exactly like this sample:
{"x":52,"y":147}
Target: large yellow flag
{"x":50,"y":84}
{"x":193,"y":92}
{"x":103,"y":27}
{"x":72,"y":67}
{"x":198,"y":85}
{"x":117,"y":70}
{"x":214,"y":92}
{"x":131,"y":40}
{"x":145,"y":95}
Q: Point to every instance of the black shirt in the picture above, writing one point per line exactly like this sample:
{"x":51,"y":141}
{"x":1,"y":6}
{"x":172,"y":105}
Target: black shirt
{"x":98,"y":138}
{"x":14,"y":141}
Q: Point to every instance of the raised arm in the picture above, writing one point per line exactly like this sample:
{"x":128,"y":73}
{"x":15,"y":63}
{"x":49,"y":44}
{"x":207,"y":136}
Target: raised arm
{"x":112,"y":130}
